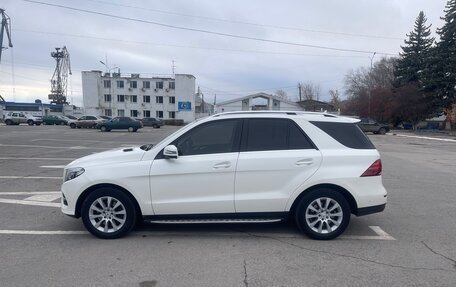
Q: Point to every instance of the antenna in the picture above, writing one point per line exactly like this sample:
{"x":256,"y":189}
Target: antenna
{"x":59,"y":80}
{"x":173,"y":67}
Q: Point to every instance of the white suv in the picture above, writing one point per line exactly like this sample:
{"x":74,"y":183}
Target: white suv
{"x":242,"y":166}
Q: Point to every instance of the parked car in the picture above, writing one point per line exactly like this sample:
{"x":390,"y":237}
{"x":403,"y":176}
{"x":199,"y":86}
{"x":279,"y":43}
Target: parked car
{"x":16,"y":118}
{"x":120,"y":123}
{"x":71,"y":117}
{"x":370,"y":125}
{"x":106,"y":117}
{"x":249,"y":166}
{"x":54,"y":120}
{"x":152,"y":122}
{"x":86,"y":122}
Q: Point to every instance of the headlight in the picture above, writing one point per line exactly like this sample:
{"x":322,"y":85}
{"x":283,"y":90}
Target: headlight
{"x":73,"y":172}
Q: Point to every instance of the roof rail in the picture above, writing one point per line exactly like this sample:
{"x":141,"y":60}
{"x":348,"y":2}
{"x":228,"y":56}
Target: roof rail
{"x":276,"y":112}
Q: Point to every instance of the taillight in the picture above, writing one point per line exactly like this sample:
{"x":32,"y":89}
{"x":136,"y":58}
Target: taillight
{"x":374,"y":169}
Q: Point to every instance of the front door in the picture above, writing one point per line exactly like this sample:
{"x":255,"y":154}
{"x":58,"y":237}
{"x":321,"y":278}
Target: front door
{"x":201,"y":179}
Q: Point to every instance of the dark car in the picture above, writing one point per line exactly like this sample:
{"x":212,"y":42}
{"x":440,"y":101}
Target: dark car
{"x":370,"y":125}
{"x":106,"y":117}
{"x":54,"y":120}
{"x":152,"y":122}
{"x":120,"y":123}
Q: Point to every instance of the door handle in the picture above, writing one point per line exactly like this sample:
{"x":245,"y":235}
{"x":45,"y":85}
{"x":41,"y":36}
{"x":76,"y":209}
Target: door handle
{"x":305,"y":161}
{"x":225,"y":164}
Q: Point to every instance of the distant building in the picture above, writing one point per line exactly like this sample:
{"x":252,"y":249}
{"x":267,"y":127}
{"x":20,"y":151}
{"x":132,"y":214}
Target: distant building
{"x":317,"y":106}
{"x":38,"y":109}
{"x":133,"y":95}
{"x":259,"y":101}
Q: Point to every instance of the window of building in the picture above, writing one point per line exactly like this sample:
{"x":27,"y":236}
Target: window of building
{"x":108,"y":112}
{"x":121,"y":113}
{"x":214,"y":137}
{"x":146,"y":99}
{"x":159,"y":114}
{"x":172,"y":100}
{"x":133,"y":84}
{"x":107,"y":98}
{"x":146,"y":114}
{"x":172,"y":115}
{"x":120,"y":84}
{"x":159,"y":85}
{"x":159,"y":99}
{"x":134,"y":113}
{"x":107,"y":83}
{"x":146,"y":84}
{"x":133,"y":98}
{"x":121,"y":98}
{"x":172,"y":85}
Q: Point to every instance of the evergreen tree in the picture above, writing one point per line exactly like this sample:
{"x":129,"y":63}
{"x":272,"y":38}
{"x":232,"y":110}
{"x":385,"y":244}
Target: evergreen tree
{"x":440,"y":76}
{"x":412,"y":60}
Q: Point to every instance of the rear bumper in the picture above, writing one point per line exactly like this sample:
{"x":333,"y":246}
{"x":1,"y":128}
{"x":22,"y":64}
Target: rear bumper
{"x":370,"y":209}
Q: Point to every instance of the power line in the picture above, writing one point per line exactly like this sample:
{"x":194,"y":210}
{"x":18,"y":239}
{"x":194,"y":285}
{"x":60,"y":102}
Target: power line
{"x":204,"y":31}
{"x":186,"y":46}
{"x":248,"y":23}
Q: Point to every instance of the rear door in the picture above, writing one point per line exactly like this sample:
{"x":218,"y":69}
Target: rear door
{"x":276,"y":158}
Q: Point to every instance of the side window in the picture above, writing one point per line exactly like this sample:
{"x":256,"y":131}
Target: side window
{"x":275,"y":134}
{"x":82,"y":118}
{"x":91,"y":118}
{"x":267,"y":134}
{"x":213,"y":137}
{"x":348,"y":134}
{"x":297,"y":138}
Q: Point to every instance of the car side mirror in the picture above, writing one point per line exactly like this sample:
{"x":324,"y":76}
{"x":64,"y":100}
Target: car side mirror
{"x":170,"y":151}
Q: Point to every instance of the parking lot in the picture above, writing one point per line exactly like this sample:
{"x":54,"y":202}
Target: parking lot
{"x":412,"y":243}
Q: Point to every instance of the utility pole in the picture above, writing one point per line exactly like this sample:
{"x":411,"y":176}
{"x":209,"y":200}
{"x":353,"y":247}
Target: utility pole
{"x":299,"y":90}
{"x":370,"y":87}
{"x":5,"y":26}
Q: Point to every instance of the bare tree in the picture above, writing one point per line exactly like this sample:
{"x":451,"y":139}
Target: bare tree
{"x":281,"y":94}
{"x":310,"y":91}
{"x":335,"y":99}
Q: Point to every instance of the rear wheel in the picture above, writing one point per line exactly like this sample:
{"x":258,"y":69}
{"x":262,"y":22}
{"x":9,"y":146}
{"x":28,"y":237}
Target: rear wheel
{"x":72,"y":125}
{"x":30,"y":123}
{"x":382,"y":131}
{"x":155,"y":126}
{"x":38,"y":124}
{"x":108,"y":213}
{"x":135,"y":130}
{"x":103,"y":129}
{"x":8,"y":122}
{"x":323,"y":214}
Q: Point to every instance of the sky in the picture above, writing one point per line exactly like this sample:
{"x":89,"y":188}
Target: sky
{"x":226,"y":66}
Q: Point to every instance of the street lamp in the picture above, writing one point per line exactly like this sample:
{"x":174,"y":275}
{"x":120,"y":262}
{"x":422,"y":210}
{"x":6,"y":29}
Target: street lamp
{"x":108,"y":70}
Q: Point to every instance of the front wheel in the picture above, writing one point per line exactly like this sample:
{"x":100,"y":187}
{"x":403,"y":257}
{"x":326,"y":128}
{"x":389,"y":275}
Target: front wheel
{"x":103,"y":129}
{"x":108,"y":213}
{"x":131,"y":129}
{"x":323,"y":214}
{"x":382,"y":131}
{"x":30,"y":123}
{"x":8,"y":122}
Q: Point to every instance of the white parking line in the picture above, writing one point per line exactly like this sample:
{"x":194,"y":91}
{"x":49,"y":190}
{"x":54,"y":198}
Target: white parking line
{"x":37,"y":158}
{"x":29,"y":192}
{"x":29,"y":177}
{"x":381,"y":235}
{"x":29,"y":202}
{"x":40,"y":232}
{"x":52,"y":147}
{"x":52,"y":166}
{"x":424,"y":137}
{"x":43,"y":197}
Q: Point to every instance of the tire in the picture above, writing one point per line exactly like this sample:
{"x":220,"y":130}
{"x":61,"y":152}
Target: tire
{"x":30,"y":123}
{"x":72,"y":125}
{"x":79,"y":127}
{"x":108,"y":217}
{"x":103,"y":129}
{"x":382,"y":131}
{"x":8,"y":122}
{"x":131,"y":129}
{"x":319,"y":224}
{"x":135,"y":130}
{"x":62,"y":123}
{"x":38,"y":124}
{"x":155,"y":126}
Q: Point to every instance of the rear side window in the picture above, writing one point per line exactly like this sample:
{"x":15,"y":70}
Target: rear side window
{"x":275,"y":134}
{"x":348,"y":134}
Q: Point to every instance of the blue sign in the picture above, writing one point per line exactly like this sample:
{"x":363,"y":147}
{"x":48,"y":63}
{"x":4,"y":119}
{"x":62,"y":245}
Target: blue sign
{"x":184,"y":106}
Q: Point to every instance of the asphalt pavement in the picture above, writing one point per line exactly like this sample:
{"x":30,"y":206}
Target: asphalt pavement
{"x":412,"y":243}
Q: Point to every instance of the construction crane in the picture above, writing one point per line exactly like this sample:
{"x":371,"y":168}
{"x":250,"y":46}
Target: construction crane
{"x":60,"y":78}
{"x":5,"y":26}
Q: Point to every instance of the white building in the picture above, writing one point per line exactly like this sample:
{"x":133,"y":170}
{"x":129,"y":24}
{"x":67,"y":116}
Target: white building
{"x":259,"y":101}
{"x":132,"y":95}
